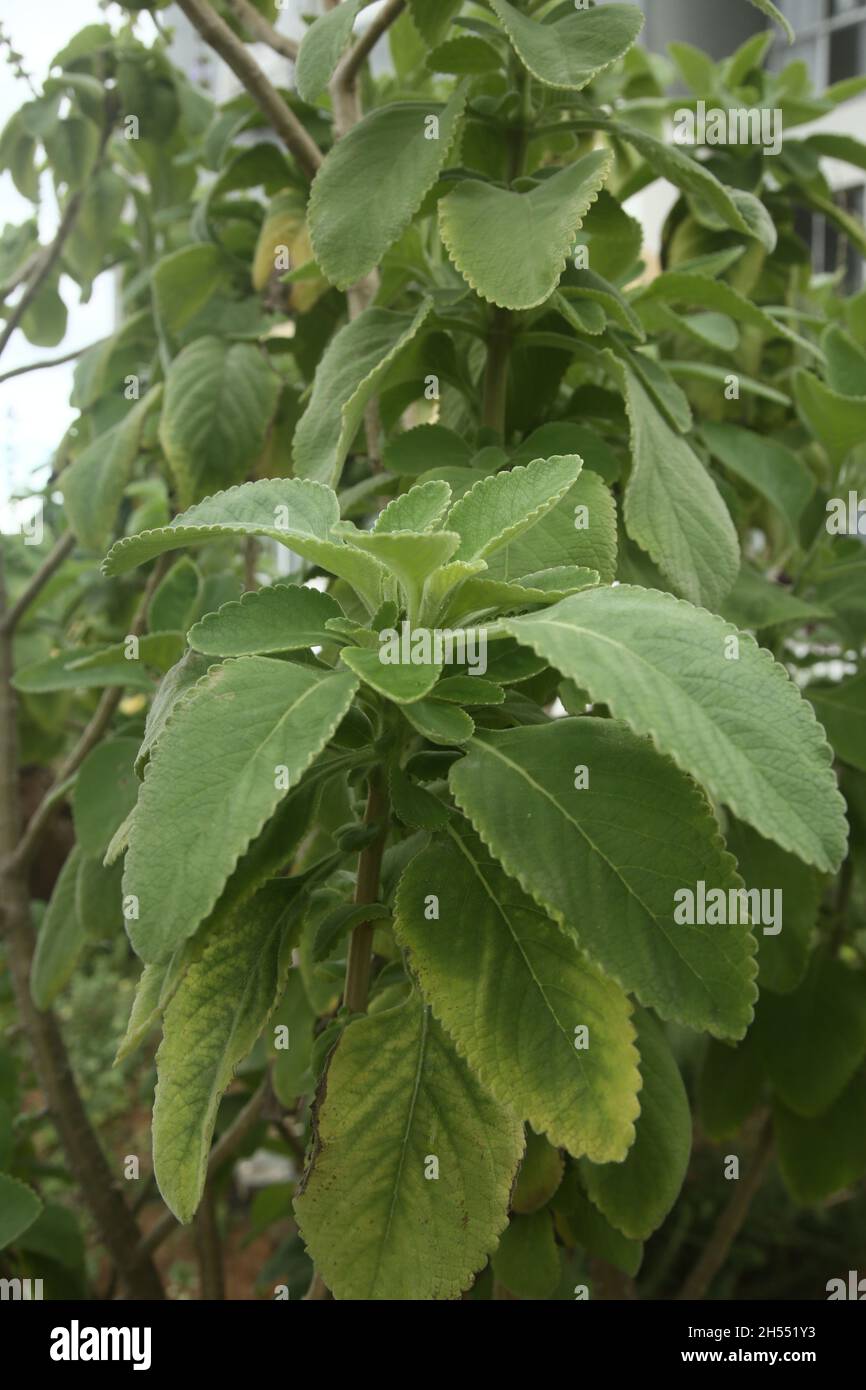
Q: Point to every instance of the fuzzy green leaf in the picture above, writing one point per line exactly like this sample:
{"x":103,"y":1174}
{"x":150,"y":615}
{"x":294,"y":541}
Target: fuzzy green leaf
{"x":503,"y":506}
{"x":397,"y":150}
{"x":665,"y":668}
{"x":571,"y":51}
{"x":512,"y":247}
{"x":592,"y":855}
{"x":672,"y":506}
{"x":513,"y":991}
{"x":219,"y":400}
{"x":282,"y":618}
{"x":321,"y":47}
{"x":61,"y":937}
{"x":217,"y":764}
{"x":214,"y":1018}
{"x":349,"y":372}
{"x":637,"y":1195}
{"x":372,"y":1222}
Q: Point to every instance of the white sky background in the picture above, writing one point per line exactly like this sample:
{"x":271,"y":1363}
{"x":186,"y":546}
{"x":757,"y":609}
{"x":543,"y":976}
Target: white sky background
{"x":34,"y":409}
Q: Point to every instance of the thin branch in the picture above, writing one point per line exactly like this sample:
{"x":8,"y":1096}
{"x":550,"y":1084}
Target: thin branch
{"x":93,"y":732}
{"x":23,"y":272}
{"x":350,"y":65}
{"x":12,"y":617}
{"x":117,"y":1227}
{"x":256,"y":24}
{"x":52,"y":254}
{"x":223,"y":1150}
{"x":218,"y":36}
{"x":731,"y":1219}
{"x":209,"y":1248}
{"x":367,"y":891}
{"x":46,"y":362}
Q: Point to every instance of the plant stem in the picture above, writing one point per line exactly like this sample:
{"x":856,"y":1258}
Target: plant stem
{"x":117,"y":1227}
{"x":496,"y":372}
{"x":218,"y":36}
{"x":359,"y":960}
{"x":731,"y":1220}
{"x":262,"y":30}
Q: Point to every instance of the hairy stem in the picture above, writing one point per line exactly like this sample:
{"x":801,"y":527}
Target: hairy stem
{"x":218,"y":36}
{"x":495,"y":395}
{"x":260,"y":28}
{"x":360,"y":956}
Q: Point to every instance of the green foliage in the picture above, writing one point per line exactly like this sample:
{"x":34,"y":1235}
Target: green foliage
{"x":504,"y":631}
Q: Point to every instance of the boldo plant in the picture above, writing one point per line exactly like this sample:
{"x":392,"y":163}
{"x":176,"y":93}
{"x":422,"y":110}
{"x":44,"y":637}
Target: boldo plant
{"x":466,"y":768}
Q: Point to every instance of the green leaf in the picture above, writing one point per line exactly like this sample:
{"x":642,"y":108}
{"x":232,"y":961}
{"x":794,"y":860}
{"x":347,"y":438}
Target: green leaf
{"x":294,"y":511}
{"x":838,"y":422}
{"x":504,"y":505}
{"x":221,"y":754}
{"x":19,"y":1208}
{"x":422,"y":508}
{"x":173,"y":686}
{"x":349,"y":373}
{"x":756,"y":602}
{"x":432,"y":18}
{"x":98,"y":899}
{"x":672,"y":506}
{"x":767,"y":466}
{"x":812,"y":1042}
{"x":211,"y":1023}
{"x":591,"y":855}
{"x":512,"y":247}
{"x":571,"y":51}
{"x":513,"y":992}
{"x":321,"y":47}
{"x":846,"y":360}
{"x":699,"y":292}
{"x":291,"y":1063}
{"x":782,"y":957}
{"x":730,"y":1087}
{"x":671,"y":163}
{"x":398,"y":150}
{"x":465,"y":55}
{"x":637,"y":1195}
{"x":527,"y":1261}
{"x":105,"y":792}
{"x":818,"y":1157}
{"x":374,"y":1225}
{"x":332,"y":928}
{"x":581,"y":1223}
{"x":94,"y":667}
{"x":185,"y":280}
{"x":413,"y":805}
{"x":282,"y":618}
{"x":93,"y":484}
{"x":147,"y":1005}
{"x":841,"y":708}
{"x":60,"y":939}
{"x":219,"y":401}
{"x":614,"y":239}
{"x":439,"y":722}
{"x":773,"y":12}
{"x":401,"y":682}
{"x":661,"y":666}
{"x":411,"y":556}
{"x":539,"y":1177}
{"x":580,"y":531}
{"x":175,"y":598}
{"x":424,"y":447}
